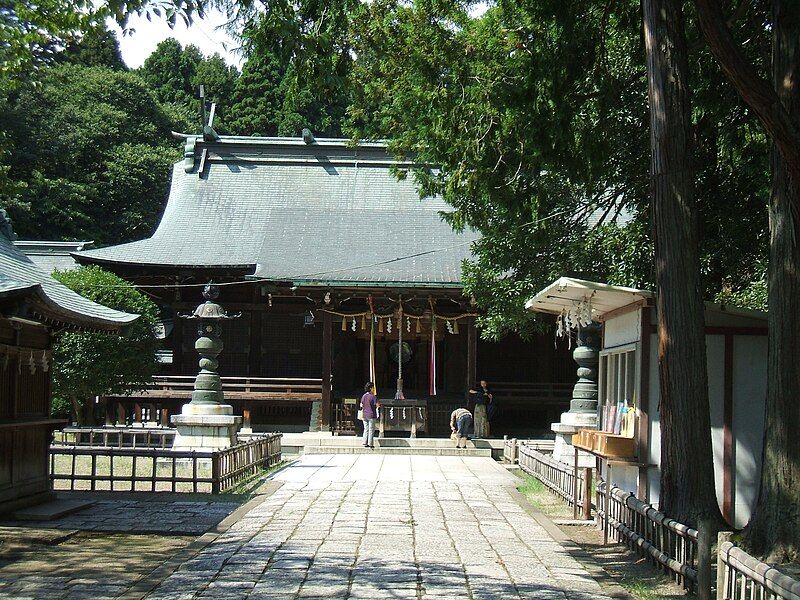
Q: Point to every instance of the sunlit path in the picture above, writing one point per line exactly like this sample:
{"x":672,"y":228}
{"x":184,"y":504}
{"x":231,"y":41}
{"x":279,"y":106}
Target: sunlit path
{"x":361,"y":526}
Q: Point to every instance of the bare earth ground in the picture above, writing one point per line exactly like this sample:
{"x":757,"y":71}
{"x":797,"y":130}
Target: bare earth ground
{"x":638,"y":576}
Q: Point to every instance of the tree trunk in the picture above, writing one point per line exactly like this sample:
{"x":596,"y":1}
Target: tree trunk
{"x":77,"y":410}
{"x":774,"y":530}
{"x":687,"y":476}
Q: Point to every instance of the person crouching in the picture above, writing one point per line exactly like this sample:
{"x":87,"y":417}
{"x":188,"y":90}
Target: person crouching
{"x":460,"y":424}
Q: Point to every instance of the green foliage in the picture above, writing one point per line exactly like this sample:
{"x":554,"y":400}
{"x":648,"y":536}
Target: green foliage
{"x":93,"y":148}
{"x":91,"y":364}
{"x":536,"y":115}
{"x":98,"y":47}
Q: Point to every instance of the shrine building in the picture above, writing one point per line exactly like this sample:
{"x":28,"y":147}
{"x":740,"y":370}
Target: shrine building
{"x":341,"y":274}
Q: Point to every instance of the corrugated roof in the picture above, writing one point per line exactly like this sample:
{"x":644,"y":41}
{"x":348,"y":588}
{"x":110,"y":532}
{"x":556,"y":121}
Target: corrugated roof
{"x":19,"y":275}
{"x":320,"y":213}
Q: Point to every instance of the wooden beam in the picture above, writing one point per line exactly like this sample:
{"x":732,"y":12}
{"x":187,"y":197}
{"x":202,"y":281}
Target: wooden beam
{"x":643,"y":432}
{"x":727,"y":433}
{"x":327,"y":346}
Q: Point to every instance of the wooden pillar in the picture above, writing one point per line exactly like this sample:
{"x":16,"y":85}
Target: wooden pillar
{"x":643,"y":425}
{"x":727,"y":433}
{"x":164,"y":417}
{"x":472,"y":353}
{"x":137,"y":413}
{"x":177,"y":346}
{"x":255,"y":367}
{"x":327,"y":347}
{"x":110,"y":409}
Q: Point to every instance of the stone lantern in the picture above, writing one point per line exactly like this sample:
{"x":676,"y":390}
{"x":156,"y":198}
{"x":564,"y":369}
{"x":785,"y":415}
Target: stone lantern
{"x":582,"y":412}
{"x":207,"y":422}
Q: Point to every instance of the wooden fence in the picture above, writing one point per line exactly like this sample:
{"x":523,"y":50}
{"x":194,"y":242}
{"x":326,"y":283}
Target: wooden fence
{"x":743,"y":577}
{"x":670,"y":545}
{"x":160,"y":469}
{"x":119,"y":437}
{"x":510,"y":450}
{"x":573,"y":486}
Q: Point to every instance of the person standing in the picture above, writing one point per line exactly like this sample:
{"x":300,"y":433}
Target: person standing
{"x":369,"y":413}
{"x":460,"y":424}
{"x":483,"y":398}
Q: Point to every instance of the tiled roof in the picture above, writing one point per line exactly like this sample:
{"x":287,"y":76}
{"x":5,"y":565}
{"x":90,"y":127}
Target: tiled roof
{"x":290,"y":211}
{"x":52,"y":300}
{"x":49,"y":255}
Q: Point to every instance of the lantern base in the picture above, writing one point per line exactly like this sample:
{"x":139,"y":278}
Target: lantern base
{"x":206,"y":427}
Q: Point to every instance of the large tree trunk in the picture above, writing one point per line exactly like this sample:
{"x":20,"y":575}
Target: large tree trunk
{"x":774,"y":530}
{"x":687,"y":476}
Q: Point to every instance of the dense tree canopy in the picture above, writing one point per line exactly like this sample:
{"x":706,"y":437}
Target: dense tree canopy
{"x":92,"y":148}
{"x":89,"y":364}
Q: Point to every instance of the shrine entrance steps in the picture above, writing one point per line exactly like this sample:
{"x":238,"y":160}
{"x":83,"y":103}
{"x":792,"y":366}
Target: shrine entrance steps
{"x":325,"y":443}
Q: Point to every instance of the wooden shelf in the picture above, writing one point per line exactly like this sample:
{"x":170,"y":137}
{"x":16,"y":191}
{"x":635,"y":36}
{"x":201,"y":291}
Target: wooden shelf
{"x":605,"y":445}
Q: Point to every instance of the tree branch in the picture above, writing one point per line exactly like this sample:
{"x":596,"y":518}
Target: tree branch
{"x":756,"y":91}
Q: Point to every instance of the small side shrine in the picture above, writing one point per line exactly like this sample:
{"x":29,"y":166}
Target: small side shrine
{"x":626,"y":440}
{"x":33,"y":307}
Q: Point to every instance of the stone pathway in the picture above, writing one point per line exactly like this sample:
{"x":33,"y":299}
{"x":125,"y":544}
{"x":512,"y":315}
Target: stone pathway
{"x":355,"y":526}
{"x":172,"y":517}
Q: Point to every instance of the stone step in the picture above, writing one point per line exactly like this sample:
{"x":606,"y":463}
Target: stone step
{"x":387,"y":442}
{"x":451,"y":451}
{"x":49,"y":511}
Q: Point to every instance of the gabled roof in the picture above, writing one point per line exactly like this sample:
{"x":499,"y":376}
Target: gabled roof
{"x":50,"y":300}
{"x":325,"y":213}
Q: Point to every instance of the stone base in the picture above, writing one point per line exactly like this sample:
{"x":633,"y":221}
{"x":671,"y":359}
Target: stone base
{"x":564,"y":451}
{"x":206,"y":427}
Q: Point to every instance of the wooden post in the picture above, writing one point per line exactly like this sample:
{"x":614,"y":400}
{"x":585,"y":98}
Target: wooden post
{"x":327,"y":391}
{"x":575,"y":488}
{"x":246,"y":415}
{"x":587,"y":493}
{"x":606,"y":508}
{"x":137,"y":413}
{"x":165,"y":417}
{"x":472,"y":353}
{"x":109,"y":410}
{"x":705,"y":530}
{"x":722,"y":537}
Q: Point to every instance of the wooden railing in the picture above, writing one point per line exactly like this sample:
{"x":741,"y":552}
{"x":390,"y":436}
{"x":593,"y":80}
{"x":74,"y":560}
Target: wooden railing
{"x":232,"y":465}
{"x":743,"y":577}
{"x":670,"y":545}
{"x":556,"y":392}
{"x":159,"y":469}
{"x":237,"y":388}
{"x":510,"y":450}
{"x":118,"y":437}
{"x":561,"y":479}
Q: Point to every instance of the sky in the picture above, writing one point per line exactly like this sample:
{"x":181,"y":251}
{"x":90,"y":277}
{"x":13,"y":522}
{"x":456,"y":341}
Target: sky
{"x":205,"y":34}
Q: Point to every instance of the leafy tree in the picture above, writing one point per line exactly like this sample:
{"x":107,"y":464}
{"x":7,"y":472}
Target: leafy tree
{"x":87,"y":364}
{"x":776,"y":103}
{"x":94,"y":150}
{"x":170,"y":71}
{"x":98,"y":47}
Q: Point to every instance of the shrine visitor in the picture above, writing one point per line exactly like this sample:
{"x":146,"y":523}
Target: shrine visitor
{"x":460,"y":423}
{"x":483,"y":398}
{"x":369,"y":412}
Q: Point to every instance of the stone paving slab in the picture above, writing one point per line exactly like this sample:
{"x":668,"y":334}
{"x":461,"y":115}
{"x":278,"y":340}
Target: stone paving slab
{"x":369,"y":526}
{"x":148,"y":515}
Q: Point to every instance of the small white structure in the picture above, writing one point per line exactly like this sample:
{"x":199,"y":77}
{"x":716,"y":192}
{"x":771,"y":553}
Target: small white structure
{"x":628,"y":445}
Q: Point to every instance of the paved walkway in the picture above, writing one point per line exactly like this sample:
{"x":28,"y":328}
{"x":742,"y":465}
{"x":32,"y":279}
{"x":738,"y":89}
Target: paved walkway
{"x":346,"y":526}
